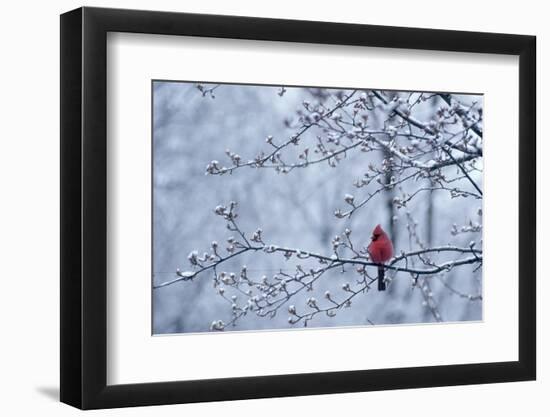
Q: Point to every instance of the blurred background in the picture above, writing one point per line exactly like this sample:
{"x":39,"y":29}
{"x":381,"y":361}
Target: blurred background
{"x":190,"y":129}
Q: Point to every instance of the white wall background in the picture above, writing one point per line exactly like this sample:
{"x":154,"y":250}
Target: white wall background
{"x":29,"y":226}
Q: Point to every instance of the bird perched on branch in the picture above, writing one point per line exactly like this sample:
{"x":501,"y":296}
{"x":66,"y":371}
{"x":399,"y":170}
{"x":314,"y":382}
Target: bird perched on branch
{"x":380,"y":251}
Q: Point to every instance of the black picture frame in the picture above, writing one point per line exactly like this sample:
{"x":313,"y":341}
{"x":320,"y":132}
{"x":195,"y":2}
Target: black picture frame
{"x":84,"y":207}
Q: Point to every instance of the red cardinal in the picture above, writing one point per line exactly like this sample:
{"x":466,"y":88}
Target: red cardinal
{"x":380,"y":251}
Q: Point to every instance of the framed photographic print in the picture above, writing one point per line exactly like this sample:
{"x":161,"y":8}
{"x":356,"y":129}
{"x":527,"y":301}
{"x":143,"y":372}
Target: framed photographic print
{"x":258,"y":207}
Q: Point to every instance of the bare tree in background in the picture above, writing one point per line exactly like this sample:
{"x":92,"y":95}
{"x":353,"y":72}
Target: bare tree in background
{"x":420,"y":153}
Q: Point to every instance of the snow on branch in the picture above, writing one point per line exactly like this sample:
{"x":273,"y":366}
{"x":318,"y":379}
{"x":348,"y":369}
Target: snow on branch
{"x":439,"y":149}
{"x":265,"y":296}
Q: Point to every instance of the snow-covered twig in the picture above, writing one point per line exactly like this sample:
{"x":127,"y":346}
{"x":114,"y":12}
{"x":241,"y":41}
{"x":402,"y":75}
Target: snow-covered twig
{"x":284,"y":287}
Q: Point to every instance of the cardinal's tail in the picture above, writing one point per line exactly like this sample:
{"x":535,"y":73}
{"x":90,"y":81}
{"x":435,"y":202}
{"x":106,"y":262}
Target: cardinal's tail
{"x":381,"y":282}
